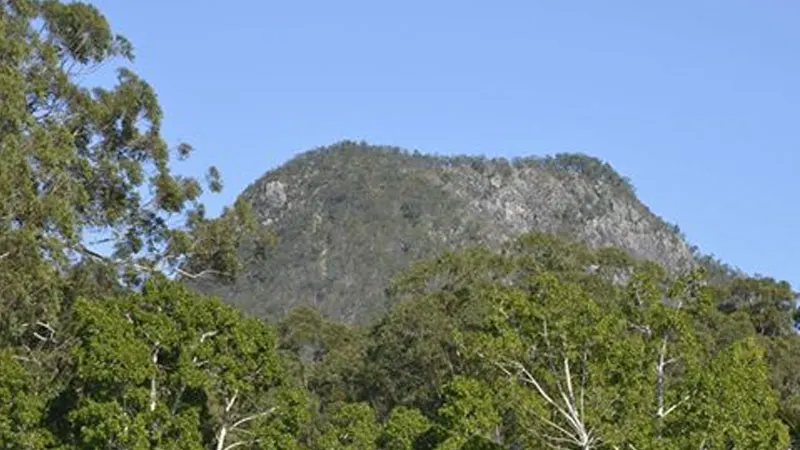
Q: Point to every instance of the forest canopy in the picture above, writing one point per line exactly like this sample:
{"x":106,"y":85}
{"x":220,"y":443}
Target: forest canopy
{"x":543,"y":343}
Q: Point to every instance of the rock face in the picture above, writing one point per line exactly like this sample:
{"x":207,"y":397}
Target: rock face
{"x":350,"y":216}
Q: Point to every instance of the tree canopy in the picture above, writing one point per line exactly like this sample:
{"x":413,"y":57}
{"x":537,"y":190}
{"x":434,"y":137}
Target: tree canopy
{"x":543,"y":343}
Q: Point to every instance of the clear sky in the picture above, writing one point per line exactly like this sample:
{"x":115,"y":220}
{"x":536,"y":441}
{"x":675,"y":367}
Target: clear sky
{"x":697,"y":101}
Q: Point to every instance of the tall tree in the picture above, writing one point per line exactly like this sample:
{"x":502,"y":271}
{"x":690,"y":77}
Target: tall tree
{"x":169,"y":369}
{"x":80,"y":162}
{"x":350,"y":426}
{"x":22,"y":407}
{"x":543,"y":348}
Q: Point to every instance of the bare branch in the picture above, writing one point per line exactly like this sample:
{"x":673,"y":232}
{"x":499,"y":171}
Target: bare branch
{"x":644,"y":329}
{"x":46,"y":326}
{"x":27,"y":359}
{"x":583,"y":379}
{"x":153,"y":385}
{"x":179,"y":396}
{"x":231,"y":402}
{"x":201,"y":274}
{"x":90,"y":253}
{"x":207,"y":335}
{"x":660,"y":378}
{"x":252,"y":417}
{"x":240,"y":443}
{"x":675,"y":406}
{"x":223,"y":433}
{"x":177,"y":401}
{"x":661,"y":364}
{"x":577,"y":433}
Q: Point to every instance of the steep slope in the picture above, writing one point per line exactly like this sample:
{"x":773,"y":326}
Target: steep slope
{"x":350,"y":216}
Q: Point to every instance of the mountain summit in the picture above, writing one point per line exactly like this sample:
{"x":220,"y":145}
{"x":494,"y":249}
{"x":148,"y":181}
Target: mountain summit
{"x":350,"y":216}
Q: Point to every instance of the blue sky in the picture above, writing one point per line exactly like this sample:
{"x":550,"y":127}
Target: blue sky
{"x":698,"y":102}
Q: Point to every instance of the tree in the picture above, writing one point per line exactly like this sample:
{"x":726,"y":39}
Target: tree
{"x":545,"y":348}
{"x":22,"y":408}
{"x":735,"y":406}
{"x":350,"y":426}
{"x":783,"y":355}
{"x":169,"y":369}
{"x":404,"y":429}
{"x":770,"y":304}
{"x":469,"y":414}
{"x":327,"y":356}
{"x":635,"y":377}
{"x":78,"y":163}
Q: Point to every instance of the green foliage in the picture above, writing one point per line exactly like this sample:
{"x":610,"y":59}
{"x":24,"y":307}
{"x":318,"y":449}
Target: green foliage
{"x":592,"y":168}
{"x":783,"y":355}
{"x":404,"y":429}
{"x":410,"y":356}
{"x":349,"y":426}
{"x":498,"y":350}
{"x":738,"y":407}
{"x":770,"y":304}
{"x":167,"y":366}
{"x":22,"y":407}
{"x":537,"y":342}
{"x":93,"y":209}
{"x":326,"y":356}
{"x":79,"y":162}
{"x":468,"y":412}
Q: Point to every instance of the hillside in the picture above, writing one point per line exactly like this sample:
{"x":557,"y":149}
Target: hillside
{"x":350,"y":216}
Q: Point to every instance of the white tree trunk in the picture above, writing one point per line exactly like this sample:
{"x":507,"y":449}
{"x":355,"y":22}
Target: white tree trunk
{"x":227,"y":429}
{"x":223,"y":433}
{"x":576,"y":432}
{"x":153,"y":383}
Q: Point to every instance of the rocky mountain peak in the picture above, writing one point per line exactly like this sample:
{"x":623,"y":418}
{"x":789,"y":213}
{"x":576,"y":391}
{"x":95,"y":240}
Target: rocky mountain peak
{"x":350,"y":216}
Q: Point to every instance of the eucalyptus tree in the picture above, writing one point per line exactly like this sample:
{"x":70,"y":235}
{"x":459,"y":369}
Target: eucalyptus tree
{"x":78,"y":161}
{"x":169,"y":369}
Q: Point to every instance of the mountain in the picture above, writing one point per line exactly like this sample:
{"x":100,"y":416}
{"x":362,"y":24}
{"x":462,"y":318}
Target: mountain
{"x":350,"y":216}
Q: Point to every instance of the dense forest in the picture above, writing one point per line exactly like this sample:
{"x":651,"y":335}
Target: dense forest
{"x":541,"y":342}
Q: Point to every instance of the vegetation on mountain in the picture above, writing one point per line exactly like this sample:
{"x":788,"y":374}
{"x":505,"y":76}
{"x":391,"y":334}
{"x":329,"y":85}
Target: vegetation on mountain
{"x":533,"y":341}
{"x":350,"y":216}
